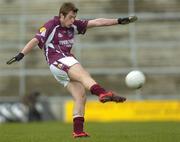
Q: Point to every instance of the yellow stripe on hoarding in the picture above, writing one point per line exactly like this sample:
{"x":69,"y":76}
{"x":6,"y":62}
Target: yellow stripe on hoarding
{"x":152,"y":110}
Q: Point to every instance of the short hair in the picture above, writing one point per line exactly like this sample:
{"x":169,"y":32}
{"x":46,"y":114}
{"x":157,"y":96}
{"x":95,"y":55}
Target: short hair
{"x":66,"y":8}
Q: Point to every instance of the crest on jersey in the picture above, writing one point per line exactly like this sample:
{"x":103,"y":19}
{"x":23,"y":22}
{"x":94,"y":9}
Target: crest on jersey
{"x":42,"y":31}
{"x":70,"y":34}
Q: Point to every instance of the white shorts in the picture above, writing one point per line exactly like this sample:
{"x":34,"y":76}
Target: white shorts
{"x":60,"y":68}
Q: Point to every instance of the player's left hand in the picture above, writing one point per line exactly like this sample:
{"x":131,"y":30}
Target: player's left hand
{"x":127,"y":20}
{"x":15,"y":59}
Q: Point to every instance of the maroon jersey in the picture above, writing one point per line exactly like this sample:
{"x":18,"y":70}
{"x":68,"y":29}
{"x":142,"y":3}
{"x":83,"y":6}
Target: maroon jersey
{"x":56,"y":40}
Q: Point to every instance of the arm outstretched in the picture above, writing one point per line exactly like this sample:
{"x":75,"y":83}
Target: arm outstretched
{"x":109,"y":22}
{"x":28,"y":47}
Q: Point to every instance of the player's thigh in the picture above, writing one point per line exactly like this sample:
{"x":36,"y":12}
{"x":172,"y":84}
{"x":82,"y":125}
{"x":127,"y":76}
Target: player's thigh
{"x":77,"y":72}
{"x":77,"y":90}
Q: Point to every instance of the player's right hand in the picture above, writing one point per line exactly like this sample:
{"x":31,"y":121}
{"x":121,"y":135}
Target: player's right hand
{"x":15,"y":59}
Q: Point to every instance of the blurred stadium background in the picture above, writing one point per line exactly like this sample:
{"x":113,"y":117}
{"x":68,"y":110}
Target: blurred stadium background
{"x":150,"y":45}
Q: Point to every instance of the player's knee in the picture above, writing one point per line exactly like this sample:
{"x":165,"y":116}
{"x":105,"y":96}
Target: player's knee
{"x":84,"y":99}
{"x":80,"y":99}
{"x":82,"y":91}
{"x":84,"y":76}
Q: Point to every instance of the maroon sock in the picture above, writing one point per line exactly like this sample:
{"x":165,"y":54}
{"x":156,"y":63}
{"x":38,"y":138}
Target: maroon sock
{"x":78,"y":124}
{"x":97,"y":89}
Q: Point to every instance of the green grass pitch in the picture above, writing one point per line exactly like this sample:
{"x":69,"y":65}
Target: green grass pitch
{"x":100,"y":132}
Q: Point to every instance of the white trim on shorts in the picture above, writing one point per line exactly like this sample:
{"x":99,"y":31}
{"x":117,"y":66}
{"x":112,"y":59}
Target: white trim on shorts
{"x":60,"y":75}
{"x":68,"y":61}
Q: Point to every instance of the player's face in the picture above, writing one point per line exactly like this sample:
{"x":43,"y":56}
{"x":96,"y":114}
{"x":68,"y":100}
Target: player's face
{"x":68,"y":20}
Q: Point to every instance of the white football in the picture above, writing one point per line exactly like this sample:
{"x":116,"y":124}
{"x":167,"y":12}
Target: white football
{"x":135,"y":79}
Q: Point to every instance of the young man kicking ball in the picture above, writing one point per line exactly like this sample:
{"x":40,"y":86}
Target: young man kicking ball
{"x":56,"y":38}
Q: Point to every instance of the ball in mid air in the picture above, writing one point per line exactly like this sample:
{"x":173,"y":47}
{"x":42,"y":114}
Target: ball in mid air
{"x":135,"y":79}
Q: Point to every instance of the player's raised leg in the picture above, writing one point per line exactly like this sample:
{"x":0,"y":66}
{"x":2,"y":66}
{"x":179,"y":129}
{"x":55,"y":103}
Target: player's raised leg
{"x":78,"y":92}
{"x":78,"y":73}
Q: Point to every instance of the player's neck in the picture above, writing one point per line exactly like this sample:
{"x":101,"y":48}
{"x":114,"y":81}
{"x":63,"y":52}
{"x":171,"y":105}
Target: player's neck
{"x":62,"y":23}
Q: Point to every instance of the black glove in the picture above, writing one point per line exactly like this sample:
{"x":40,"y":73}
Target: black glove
{"x":127,"y":20}
{"x":15,"y":59}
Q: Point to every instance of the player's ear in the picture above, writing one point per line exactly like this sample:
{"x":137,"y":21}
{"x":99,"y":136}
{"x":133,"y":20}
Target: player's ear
{"x":62,"y":16}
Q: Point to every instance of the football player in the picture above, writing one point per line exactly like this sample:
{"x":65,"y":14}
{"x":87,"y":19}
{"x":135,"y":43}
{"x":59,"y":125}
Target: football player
{"x":56,"y":38}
